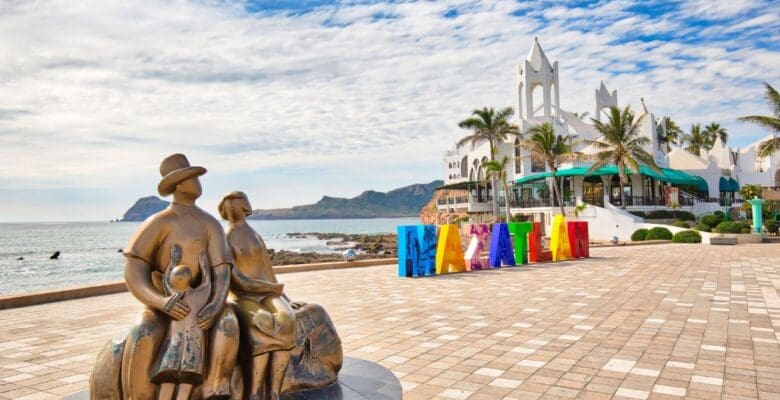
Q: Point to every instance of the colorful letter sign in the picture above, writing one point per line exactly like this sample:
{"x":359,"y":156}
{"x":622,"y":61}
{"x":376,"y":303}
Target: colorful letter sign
{"x":449,"y":254}
{"x":578,"y":239}
{"x":416,"y":250}
{"x":501,"y":247}
{"x":520,"y":231}
{"x":421,"y":253}
{"x":480,"y":240}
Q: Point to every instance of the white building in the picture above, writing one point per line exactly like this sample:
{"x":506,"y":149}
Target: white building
{"x":697,"y":179}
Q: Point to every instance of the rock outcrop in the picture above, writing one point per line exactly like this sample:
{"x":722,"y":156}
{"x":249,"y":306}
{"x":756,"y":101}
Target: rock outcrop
{"x":143,"y":208}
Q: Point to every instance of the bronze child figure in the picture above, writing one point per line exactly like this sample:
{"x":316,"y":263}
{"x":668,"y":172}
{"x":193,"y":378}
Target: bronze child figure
{"x":181,"y":360}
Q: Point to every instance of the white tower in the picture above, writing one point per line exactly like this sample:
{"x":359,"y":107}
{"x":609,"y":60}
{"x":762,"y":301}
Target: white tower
{"x":604,"y":99}
{"x":537,"y":71}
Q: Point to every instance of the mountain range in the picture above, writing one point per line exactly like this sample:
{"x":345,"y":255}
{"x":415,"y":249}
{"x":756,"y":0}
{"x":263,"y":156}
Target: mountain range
{"x":402,"y":202}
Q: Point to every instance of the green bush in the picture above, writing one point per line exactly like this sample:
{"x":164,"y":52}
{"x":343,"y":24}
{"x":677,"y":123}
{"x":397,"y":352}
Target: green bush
{"x":733,"y":227}
{"x":519,"y":218}
{"x":680,"y":224}
{"x":703,"y":228}
{"x":686,"y":237}
{"x":639,"y":213}
{"x":659,"y":214}
{"x":711,"y":219}
{"x":639,"y":235}
{"x":684,"y":215}
{"x":658,"y":233}
{"x":720,"y":214}
{"x":771,"y":226}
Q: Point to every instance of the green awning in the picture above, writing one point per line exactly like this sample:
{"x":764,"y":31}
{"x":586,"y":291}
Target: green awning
{"x":667,"y":175}
{"x":728,"y":184}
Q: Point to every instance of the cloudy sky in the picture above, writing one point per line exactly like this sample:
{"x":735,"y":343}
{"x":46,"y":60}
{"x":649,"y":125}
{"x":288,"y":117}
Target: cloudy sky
{"x":291,"y":100}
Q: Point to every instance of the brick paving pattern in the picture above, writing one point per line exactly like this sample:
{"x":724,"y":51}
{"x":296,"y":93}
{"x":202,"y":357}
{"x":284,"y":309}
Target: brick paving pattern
{"x":657,"y":322}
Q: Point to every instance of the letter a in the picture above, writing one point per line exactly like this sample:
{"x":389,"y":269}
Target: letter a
{"x":449,"y":254}
{"x":501,"y":247}
{"x":559,"y":242}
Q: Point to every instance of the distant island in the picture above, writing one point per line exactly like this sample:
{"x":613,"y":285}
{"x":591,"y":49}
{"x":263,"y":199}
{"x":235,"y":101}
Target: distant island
{"x":402,"y":202}
{"x":143,"y":208}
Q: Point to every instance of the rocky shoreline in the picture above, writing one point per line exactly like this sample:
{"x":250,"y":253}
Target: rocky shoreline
{"x":366,"y":246}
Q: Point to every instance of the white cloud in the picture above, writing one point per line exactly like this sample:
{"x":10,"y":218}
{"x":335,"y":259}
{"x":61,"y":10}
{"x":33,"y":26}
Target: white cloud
{"x":96,"y":93}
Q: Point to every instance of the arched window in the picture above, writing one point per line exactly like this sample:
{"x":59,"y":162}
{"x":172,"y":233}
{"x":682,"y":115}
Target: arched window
{"x":518,"y":160}
{"x":464,"y":166}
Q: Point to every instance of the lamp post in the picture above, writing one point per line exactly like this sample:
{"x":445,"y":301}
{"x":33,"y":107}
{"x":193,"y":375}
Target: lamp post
{"x":756,"y":203}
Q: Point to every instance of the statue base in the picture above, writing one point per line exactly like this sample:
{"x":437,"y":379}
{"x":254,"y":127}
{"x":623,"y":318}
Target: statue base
{"x":358,"y":380}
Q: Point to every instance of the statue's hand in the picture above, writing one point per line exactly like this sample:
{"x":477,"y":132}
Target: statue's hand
{"x":207,"y":315}
{"x":175,"y":307}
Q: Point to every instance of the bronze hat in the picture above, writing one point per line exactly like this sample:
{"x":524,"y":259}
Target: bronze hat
{"x":174,"y":170}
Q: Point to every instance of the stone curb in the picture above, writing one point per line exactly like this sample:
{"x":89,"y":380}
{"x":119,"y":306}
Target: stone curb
{"x":99,"y":289}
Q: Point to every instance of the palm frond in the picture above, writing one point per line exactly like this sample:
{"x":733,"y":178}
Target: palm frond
{"x":771,"y":123}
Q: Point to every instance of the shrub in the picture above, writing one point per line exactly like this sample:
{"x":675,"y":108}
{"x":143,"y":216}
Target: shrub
{"x":703,"y":228}
{"x":658,"y":214}
{"x":680,"y":224}
{"x":639,"y":213}
{"x":519,"y":218}
{"x":658,"y":233}
{"x":711,"y":219}
{"x":684,"y":215}
{"x":771,"y":226}
{"x":686,"y":237}
{"x":720,"y":214}
{"x":733,"y":227}
{"x":639,"y":235}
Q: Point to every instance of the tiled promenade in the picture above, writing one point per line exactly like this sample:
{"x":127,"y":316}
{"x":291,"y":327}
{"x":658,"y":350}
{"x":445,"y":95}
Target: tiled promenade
{"x":662,"y":321}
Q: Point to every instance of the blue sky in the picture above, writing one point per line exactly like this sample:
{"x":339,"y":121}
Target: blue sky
{"x":292,"y":100}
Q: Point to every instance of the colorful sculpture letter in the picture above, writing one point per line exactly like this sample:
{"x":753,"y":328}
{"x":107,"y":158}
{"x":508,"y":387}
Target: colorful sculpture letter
{"x":520,"y":231}
{"x":536,"y":252}
{"x":501,"y":247}
{"x":480,"y":240}
{"x":449,"y":254}
{"x":578,"y":239}
{"x":416,"y":250}
{"x":559,"y":241}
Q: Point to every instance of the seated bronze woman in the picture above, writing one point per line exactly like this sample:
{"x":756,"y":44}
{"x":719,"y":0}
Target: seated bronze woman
{"x":265,"y":313}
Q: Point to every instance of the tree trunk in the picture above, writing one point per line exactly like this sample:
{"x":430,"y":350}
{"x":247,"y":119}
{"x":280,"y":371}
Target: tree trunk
{"x":506,"y":202}
{"x":557,"y":190}
{"x":623,"y":179}
{"x":493,"y":180}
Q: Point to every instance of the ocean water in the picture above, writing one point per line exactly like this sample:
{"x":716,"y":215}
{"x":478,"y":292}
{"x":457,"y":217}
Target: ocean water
{"x":89,"y":251}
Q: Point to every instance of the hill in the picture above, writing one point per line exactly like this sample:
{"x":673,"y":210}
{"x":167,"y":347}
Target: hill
{"x":143,"y":208}
{"x":402,"y":202}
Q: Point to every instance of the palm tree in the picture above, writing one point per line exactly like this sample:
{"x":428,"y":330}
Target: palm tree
{"x":543,"y":144}
{"x":714,"y":131}
{"x":493,"y":127}
{"x":772,"y":123}
{"x":697,"y":140}
{"x":621,"y":145}
{"x":498,"y":169}
{"x":673,"y":133}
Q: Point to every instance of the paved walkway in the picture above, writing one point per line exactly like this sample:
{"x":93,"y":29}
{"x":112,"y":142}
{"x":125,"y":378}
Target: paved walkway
{"x":661,"y":321}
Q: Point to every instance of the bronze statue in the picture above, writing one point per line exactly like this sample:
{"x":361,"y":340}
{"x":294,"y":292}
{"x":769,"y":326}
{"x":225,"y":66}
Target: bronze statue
{"x":190,"y":341}
{"x":265,"y":313}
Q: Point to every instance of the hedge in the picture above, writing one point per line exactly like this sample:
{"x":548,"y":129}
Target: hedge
{"x":638,"y":213}
{"x":680,"y":224}
{"x":639,"y":235}
{"x":703,"y":228}
{"x":658,"y":233}
{"x":711,"y":219}
{"x":663,"y":214}
{"x":686,"y":237}
{"x":732,"y":227}
{"x":771,"y":226}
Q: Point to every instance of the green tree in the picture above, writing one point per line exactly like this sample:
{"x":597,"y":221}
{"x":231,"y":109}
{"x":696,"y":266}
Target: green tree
{"x":488,"y":125}
{"x":673,"y":133}
{"x":621,"y":145}
{"x":696,"y":140}
{"x":772,"y":123}
{"x":544,"y":145}
{"x":749,"y":192}
{"x":713,"y":131}
{"x":498,"y":169}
